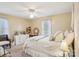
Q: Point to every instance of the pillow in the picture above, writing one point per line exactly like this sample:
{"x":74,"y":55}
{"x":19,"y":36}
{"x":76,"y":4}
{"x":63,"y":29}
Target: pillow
{"x":67,"y":41}
{"x":59,"y":37}
{"x":57,"y":33}
{"x":51,"y":38}
{"x":69,"y":38}
{"x":66,"y":33}
{"x":64,"y":46}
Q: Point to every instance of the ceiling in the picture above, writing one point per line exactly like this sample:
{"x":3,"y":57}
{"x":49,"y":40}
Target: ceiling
{"x":21,"y":9}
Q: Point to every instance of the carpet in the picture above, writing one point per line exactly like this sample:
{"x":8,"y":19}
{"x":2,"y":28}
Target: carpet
{"x":16,"y":51}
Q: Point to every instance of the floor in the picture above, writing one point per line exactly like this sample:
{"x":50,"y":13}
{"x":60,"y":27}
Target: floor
{"x":16,"y":52}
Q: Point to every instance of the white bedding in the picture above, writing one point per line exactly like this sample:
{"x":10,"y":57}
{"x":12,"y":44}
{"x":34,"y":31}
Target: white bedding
{"x":43,"y":47}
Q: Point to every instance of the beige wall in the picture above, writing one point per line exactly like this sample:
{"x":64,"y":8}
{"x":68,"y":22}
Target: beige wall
{"x":60,"y":22}
{"x":76,"y":28}
{"x":15,"y":23}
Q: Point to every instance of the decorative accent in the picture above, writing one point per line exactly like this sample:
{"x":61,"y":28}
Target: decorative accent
{"x":28,"y":30}
{"x":36,"y":31}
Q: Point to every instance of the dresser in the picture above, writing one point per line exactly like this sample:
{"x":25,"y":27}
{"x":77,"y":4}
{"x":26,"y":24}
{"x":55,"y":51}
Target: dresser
{"x":20,"y":39}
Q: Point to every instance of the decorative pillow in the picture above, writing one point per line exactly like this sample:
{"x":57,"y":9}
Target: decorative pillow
{"x":51,"y":38}
{"x":64,"y":46}
{"x":57,"y":33}
{"x":66,"y":33}
{"x":59,"y":37}
{"x":69,"y":38}
{"x":67,"y":41}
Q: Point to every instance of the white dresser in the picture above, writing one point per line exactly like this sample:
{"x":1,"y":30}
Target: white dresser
{"x":20,"y":39}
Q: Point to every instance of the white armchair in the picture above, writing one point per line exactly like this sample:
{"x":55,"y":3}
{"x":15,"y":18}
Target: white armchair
{"x":2,"y":49}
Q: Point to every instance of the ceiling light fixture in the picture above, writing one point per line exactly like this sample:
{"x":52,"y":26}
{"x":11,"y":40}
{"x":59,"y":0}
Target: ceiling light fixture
{"x":32,"y":11}
{"x":31,"y":16}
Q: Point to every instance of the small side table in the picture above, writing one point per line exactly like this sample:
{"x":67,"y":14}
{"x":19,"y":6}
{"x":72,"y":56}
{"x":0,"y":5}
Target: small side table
{"x":4,"y":43}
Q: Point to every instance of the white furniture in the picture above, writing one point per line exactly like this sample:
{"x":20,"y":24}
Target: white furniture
{"x":2,"y":50}
{"x":21,"y":38}
{"x":45,"y":48}
{"x":4,"y":43}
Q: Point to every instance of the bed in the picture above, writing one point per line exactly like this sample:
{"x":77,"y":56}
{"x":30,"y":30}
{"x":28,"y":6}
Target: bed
{"x":41,"y":46}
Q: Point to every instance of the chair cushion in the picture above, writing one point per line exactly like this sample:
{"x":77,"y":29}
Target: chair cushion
{"x":4,"y":42}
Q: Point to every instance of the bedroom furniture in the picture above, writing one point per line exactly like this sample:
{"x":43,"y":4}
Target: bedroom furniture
{"x":41,"y":50}
{"x":5,"y":38}
{"x":21,"y":38}
{"x":45,"y":48}
{"x":2,"y":43}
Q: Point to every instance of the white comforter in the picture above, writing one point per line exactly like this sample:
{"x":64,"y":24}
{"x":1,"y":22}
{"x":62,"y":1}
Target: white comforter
{"x":43,"y":47}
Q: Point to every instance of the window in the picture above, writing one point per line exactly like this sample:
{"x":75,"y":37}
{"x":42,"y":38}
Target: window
{"x":46,"y":27}
{"x":3,"y":26}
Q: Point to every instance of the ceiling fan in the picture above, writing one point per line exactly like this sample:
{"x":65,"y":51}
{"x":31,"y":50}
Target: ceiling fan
{"x":32,"y":11}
